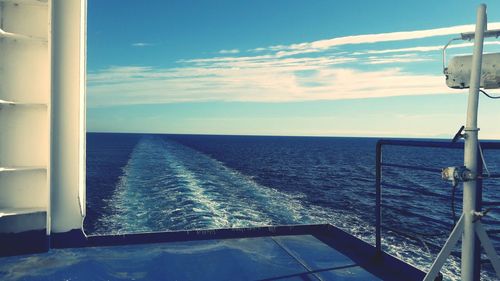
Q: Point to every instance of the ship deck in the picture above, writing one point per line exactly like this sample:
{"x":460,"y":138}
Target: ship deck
{"x":314,"y":252}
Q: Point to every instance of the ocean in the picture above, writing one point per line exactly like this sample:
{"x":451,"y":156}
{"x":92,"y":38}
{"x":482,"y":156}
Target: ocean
{"x":158,"y":182}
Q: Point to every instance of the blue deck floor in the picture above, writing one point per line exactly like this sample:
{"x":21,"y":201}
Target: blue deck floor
{"x":297,"y":257}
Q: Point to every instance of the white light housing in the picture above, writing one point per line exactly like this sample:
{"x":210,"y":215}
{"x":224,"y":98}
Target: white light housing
{"x":459,"y":70}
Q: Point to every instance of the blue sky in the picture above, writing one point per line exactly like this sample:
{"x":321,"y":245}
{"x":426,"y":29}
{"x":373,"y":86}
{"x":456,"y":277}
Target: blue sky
{"x":281,"y":67}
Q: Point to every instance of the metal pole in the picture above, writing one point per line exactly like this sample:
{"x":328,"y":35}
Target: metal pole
{"x":378,"y":215}
{"x":470,"y":150}
{"x":445,"y":251}
{"x":479,"y":206}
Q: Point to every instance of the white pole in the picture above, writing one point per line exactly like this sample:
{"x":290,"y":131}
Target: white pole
{"x":470,"y":150}
{"x":68,"y":68}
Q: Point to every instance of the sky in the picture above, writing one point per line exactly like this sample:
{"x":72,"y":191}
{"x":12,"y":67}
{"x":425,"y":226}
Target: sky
{"x":281,"y":67}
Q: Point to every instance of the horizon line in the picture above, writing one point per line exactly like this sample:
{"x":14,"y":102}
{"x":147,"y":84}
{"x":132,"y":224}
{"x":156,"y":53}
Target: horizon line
{"x":270,"y":135}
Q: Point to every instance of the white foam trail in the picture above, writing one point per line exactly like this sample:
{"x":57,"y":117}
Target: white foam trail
{"x":166,"y":185}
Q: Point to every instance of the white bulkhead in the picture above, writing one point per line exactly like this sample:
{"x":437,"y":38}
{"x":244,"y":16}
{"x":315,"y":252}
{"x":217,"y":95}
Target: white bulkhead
{"x":42,"y":122}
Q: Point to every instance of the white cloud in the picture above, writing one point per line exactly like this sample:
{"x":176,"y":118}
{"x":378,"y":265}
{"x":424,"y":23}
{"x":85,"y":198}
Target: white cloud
{"x":141,"y":44}
{"x":320,"y":45}
{"x":408,"y":58}
{"x":423,"y":48}
{"x":231,"y":51}
{"x":296,"y":72}
{"x":268,"y":83}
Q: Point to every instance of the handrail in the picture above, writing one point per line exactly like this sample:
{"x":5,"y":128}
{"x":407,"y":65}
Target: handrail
{"x":411,"y":167}
{"x":421,"y":192}
{"x":436,"y":221}
{"x":423,"y":144}
{"x":435,"y":143}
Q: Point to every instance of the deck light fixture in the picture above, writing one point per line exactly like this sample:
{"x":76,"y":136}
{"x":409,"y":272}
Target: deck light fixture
{"x":458,"y":71}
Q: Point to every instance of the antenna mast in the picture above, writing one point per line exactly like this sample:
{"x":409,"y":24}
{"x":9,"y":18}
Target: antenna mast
{"x":469,"y":223}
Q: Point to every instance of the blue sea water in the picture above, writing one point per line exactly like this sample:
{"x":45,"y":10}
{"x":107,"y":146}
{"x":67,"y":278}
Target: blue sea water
{"x":152,"y":182}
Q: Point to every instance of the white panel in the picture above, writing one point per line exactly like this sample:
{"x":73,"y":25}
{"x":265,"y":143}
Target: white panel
{"x":24,"y":136}
{"x":27,"y":2}
{"x":29,"y":20}
{"x":27,"y":219}
{"x":24,"y":124}
{"x":24,"y":67}
{"x":24,"y":189}
{"x":24,"y":71}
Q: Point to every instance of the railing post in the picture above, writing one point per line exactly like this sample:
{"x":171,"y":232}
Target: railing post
{"x":479,"y":206}
{"x":378,"y":214}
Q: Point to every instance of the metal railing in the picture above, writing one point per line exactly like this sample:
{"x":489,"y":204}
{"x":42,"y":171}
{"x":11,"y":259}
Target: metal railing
{"x":436,"y":170}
